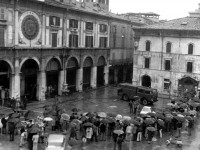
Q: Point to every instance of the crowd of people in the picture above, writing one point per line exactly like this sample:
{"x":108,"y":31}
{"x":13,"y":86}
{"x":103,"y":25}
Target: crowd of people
{"x":94,"y":127}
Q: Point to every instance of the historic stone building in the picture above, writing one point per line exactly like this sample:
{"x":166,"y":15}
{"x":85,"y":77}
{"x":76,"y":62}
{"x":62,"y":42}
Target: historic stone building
{"x":45,"y":45}
{"x":167,"y":56}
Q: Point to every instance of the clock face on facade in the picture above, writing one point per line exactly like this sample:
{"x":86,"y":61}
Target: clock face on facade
{"x":30,"y":27}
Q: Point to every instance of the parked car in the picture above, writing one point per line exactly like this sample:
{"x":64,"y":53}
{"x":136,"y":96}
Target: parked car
{"x":128,"y":91}
{"x":56,"y":142}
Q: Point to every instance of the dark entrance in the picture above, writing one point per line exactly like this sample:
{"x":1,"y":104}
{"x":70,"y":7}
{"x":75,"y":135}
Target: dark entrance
{"x":87,"y":73}
{"x":129,"y":74}
{"x":120,"y":75}
{"x":4,"y":74}
{"x":29,"y":74}
{"x":146,"y":81}
{"x":52,"y":75}
{"x":72,"y":67}
{"x":187,"y":85}
{"x":100,"y":71}
{"x":111,"y":75}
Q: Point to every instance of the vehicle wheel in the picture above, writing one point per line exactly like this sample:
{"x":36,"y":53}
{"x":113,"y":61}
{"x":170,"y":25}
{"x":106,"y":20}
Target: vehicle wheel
{"x":144,"y":102}
{"x":125,"y":97}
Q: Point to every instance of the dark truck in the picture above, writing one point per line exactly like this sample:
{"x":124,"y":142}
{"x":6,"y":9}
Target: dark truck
{"x":147,"y":95}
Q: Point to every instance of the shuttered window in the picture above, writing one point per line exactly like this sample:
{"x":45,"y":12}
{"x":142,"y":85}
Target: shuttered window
{"x":103,"y":42}
{"x":147,"y":63}
{"x":189,"y":67}
{"x":89,"y":41}
{"x":73,"y":40}
{"x":2,"y":42}
{"x":167,"y":65}
{"x":73,"y":23}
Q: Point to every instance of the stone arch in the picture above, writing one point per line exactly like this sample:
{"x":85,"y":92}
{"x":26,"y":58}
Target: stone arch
{"x":72,"y":58}
{"x":27,"y":58}
{"x":88,"y":56}
{"x":9,"y":63}
{"x":100,"y":59}
{"x":54,"y":57}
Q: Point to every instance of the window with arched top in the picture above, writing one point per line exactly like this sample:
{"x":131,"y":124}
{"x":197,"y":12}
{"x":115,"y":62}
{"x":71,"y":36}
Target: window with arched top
{"x":168,"y":47}
{"x":190,"y":49}
{"x":148,"y":45}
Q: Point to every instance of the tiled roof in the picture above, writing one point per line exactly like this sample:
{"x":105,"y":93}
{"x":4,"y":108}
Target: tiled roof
{"x":186,"y":23}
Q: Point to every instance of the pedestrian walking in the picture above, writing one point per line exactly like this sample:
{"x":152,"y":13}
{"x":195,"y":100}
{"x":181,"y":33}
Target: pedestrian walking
{"x":22,"y":137}
{"x":131,"y":106}
{"x":120,"y":140}
{"x":11,"y":129}
{"x":89,"y":133}
{"x":35,"y":141}
{"x":103,"y":131}
{"x":179,"y":127}
{"x":139,"y":133}
{"x":4,"y":123}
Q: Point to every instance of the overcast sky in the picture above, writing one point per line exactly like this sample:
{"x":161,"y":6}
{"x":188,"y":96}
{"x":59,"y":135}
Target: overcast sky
{"x":167,"y":9}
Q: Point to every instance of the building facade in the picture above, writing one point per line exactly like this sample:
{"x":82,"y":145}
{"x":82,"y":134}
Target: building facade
{"x":46,"y":46}
{"x":167,"y":57}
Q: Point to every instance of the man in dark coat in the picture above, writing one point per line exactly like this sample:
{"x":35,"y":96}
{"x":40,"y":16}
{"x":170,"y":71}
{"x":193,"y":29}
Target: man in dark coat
{"x":11,"y":129}
{"x":4,"y":122}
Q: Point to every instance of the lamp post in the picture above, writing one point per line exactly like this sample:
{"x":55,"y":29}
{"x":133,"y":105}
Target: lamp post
{"x":135,"y":47}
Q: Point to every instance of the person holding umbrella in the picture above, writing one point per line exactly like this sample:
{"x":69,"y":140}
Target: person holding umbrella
{"x":179,"y":127}
{"x":150,"y":133}
{"x":118,"y":138}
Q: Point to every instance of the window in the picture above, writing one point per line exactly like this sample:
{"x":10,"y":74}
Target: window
{"x":103,"y":28}
{"x":167,"y":84}
{"x":114,"y":29}
{"x":2,"y":40}
{"x":167,"y":64}
{"x":2,"y":14}
{"x":89,"y":41}
{"x":103,"y":42}
{"x":73,"y":40}
{"x":54,"y":39}
{"x":54,"y":21}
{"x":168,"y":47}
{"x":190,"y":49}
{"x":189,"y":66}
{"x":141,"y":91}
{"x":147,"y":63}
{"x":89,"y":26}
{"x":148,"y":45}
{"x":73,"y":23}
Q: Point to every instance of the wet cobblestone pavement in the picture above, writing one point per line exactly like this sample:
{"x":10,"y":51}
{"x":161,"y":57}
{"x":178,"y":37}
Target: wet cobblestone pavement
{"x":106,"y":100}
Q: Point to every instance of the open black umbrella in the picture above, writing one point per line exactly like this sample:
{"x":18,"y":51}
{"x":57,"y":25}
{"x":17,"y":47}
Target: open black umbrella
{"x":14,"y":120}
{"x":161,"y":122}
{"x":15,"y":115}
{"x":111,"y":115}
{"x":149,"y":121}
{"x":160,"y":116}
{"x":84,"y":118}
{"x":75,"y":110}
{"x":88,"y":124}
{"x":151,"y":129}
{"x":34,"y":129}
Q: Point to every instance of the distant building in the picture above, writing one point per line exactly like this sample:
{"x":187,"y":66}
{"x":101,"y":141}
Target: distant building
{"x":48,"y":45}
{"x":167,"y":57}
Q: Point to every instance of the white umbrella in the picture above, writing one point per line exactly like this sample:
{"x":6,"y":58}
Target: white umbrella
{"x":118,"y":117}
{"x":102,"y":114}
{"x":126,"y":118}
{"x":48,"y":119}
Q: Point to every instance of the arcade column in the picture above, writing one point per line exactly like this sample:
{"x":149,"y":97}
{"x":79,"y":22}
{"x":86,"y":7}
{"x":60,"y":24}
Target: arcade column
{"x":94,"y":77}
{"x":61,"y":81}
{"x":106,"y":75}
{"x":17,"y":80}
{"x":79,"y":80}
{"x":42,"y":85}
